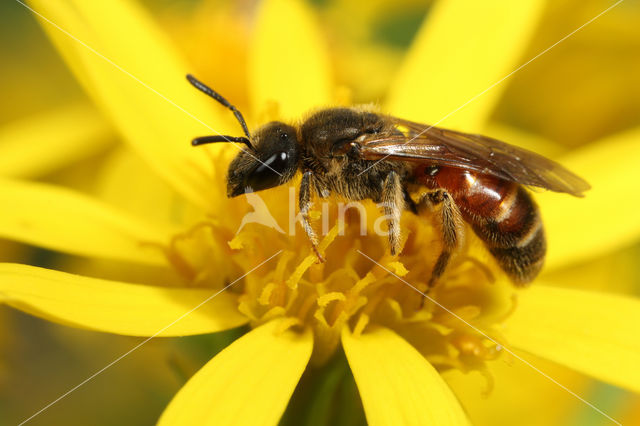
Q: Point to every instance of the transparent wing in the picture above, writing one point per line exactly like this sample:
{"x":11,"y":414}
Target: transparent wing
{"x":422,"y":143}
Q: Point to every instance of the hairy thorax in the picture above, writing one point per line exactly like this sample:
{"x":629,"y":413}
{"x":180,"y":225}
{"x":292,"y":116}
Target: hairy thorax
{"x":331,"y":153}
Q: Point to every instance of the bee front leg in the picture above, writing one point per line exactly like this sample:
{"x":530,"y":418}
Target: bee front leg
{"x":305,"y":203}
{"x":392,"y":204}
{"x":452,"y":228}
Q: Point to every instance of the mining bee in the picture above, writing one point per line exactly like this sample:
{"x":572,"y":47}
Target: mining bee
{"x":360,"y":154}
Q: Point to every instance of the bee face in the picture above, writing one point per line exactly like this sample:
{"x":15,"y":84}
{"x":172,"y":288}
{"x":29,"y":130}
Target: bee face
{"x":272,"y":160}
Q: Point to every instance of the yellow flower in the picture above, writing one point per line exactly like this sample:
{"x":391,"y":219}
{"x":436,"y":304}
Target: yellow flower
{"x":398,"y":346}
{"x":46,"y":123}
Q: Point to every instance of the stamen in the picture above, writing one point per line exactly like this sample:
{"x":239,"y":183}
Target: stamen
{"x":347,"y":292}
{"x":363,"y":321}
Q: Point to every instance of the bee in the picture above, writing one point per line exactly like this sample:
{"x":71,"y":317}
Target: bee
{"x":360,"y":155}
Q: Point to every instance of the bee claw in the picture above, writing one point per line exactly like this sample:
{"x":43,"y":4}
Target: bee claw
{"x":433,"y":281}
{"x":318,"y":255}
{"x":425,"y":295}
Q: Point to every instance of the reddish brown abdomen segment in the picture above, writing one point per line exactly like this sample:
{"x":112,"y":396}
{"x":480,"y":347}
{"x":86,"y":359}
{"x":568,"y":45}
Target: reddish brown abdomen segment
{"x":502,"y":214}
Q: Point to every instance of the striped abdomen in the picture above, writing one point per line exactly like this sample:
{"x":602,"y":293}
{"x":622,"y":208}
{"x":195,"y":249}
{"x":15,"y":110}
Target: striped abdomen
{"x":503,"y":215}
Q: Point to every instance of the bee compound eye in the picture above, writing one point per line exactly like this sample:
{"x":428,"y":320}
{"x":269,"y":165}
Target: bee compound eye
{"x":284,"y":136}
{"x":268,"y":173}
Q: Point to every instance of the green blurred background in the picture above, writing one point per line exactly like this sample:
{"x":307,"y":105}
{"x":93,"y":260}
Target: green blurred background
{"x":585,"y":88}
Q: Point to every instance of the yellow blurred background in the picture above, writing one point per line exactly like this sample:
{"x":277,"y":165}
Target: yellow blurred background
{"x":583,"y":89}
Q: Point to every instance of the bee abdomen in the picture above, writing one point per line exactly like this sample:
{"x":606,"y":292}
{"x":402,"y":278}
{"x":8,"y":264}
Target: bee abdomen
{"x":512,"y":230}
{"x":522,"y":263}
{"x":501,"y":213}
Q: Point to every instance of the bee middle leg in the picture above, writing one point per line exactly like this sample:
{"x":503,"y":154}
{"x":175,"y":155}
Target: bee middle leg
{"x":305,"y":202}
{"x":393,"y":200}
{"x":452,"y":228}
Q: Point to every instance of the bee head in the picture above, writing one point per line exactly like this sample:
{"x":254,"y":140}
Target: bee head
{"x":271,"y":160}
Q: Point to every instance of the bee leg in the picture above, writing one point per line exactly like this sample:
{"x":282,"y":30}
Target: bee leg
{"x":306,"y":188}
{"x":452,"y":229}
{"x":392,"y":204}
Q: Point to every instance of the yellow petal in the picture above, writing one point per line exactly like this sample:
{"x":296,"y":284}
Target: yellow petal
{"x":289,"y":62}
{"x":604,"y":220}
{"x":592,"y":332}
{"x":126,"y":181}
{"x":396,"y":384}
{"x":520,"y":137}
{"x":67,"y":221}
{"x":46,"y":142}
{"x":463,"y":48}
{"x":616,"y":272}
{"x":116,"y":307}
{"x":248,"y":383}
{"x":516,"y":388}
{"x":145,"y":93}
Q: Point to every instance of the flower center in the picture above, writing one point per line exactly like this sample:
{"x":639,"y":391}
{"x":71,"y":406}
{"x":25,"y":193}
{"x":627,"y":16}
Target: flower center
{"x":359,"y":286}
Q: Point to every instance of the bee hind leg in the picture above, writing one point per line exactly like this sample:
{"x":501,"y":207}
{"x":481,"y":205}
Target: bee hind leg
{"x":452,"y":228}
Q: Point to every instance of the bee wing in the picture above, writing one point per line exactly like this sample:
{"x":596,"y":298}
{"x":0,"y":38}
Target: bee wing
{"x":417,"y":142}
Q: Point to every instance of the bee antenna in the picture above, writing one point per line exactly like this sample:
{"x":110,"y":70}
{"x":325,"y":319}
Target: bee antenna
{"x":202,"y":140}
{"x":215,"y":95}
